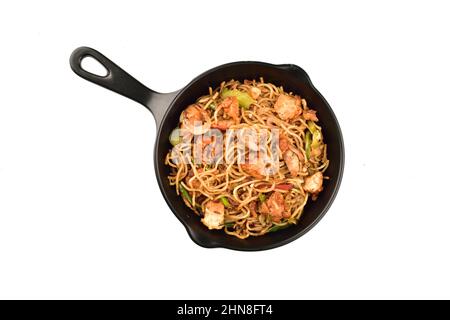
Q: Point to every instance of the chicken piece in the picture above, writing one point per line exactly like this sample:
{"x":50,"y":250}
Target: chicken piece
{"x":276,"y":206}
{"x":288,"y":107}
{"x":252,"y":207}
{"x":195,"y":119}
{"x":230,"y":107}
{"x":292,"y":162}
{"x":207,"y":139}
{"x":283,"y":143}
{"x":290,"y":157}
{"x":310,"y":115}
{"x":255,"y":92}
{"x":313,"y":184}
{"x":264,"y":208}
{"x":256,"y":170}
{"x":214,"y":215}
{"x":223,"y":124}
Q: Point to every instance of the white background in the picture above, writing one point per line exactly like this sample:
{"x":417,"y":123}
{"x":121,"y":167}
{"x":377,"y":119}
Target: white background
{"x":81,"y":215}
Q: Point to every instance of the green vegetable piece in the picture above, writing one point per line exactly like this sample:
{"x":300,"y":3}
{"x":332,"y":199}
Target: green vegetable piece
{"x":316,"y":139}
{"x":212,"y":106}
{"x":278,"y":227}
{"x":185,"y":194}
{"x":175,"y":137}
{"x":311,"y":126}
{"x":243,"y":97}
{"x":308,"y":144}
{"x":262,"y":197}
{"x":225,"y":202}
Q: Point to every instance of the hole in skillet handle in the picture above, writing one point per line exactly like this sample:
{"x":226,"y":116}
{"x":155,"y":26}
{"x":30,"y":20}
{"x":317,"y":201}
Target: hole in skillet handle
{"x":119,"y":81}
{"x":93,"y":66}
{"x":115,"y":79}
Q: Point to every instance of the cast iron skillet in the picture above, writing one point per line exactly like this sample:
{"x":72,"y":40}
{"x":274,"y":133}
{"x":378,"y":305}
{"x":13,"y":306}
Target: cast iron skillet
{"x":166,"y":109}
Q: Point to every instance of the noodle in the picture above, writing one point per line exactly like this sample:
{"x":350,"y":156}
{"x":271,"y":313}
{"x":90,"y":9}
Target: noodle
{"x":246,"y":198}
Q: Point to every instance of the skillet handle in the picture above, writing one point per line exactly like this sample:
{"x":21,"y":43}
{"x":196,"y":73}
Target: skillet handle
{"x":118,"y":80}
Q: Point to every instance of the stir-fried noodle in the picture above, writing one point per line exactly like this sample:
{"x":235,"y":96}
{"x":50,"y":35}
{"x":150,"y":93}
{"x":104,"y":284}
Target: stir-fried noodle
{"x":247,"y":157}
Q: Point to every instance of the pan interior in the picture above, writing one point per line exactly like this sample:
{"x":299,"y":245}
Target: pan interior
{"x":293,"y":79}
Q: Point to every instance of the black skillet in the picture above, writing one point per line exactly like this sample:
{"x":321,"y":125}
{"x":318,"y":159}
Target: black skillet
{"x":166,"y":109}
